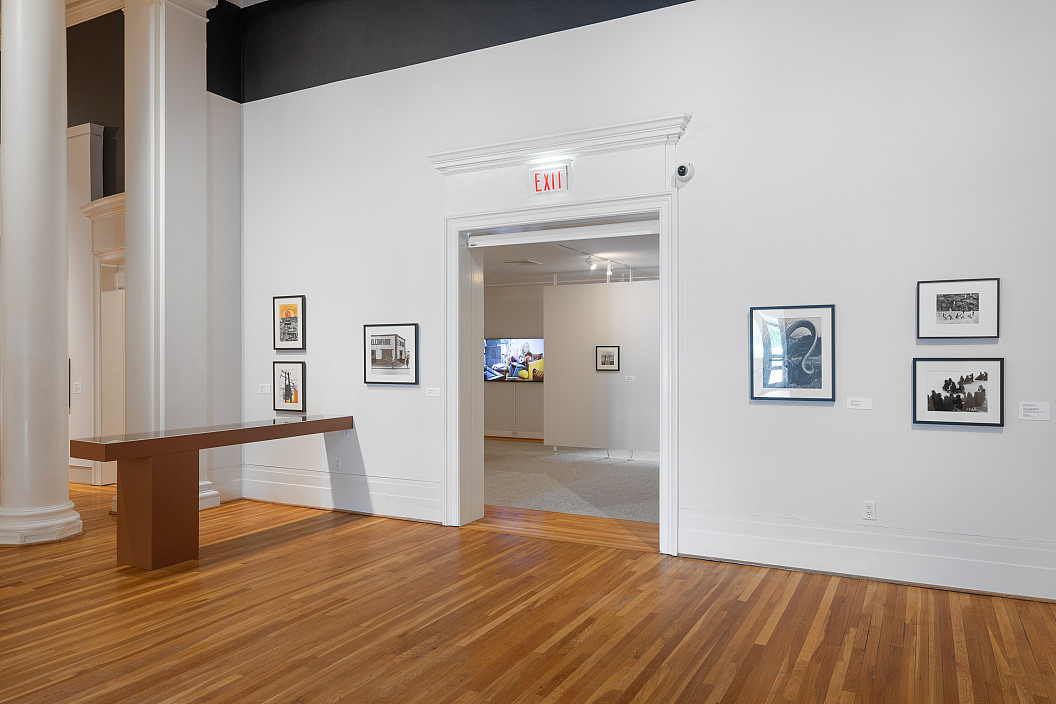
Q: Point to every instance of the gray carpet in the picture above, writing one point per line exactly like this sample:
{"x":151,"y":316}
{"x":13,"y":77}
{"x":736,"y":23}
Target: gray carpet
{"x":576,"y":480}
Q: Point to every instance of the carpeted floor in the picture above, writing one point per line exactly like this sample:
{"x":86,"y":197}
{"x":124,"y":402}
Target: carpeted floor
{"x":575,"y":480}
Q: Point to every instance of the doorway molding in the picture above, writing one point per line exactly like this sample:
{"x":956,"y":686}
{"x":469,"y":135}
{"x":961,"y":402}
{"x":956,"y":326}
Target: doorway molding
{"x":464,"y":298}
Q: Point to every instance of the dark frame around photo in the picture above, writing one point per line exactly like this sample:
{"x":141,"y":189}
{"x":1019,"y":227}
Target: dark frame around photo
{"x":607,"y":358}
{"x":959,"y":391}
{"x":390,"y":354}
{"x":288,"y":322}
{"x":792,"y":353}
{"x":288,"y":389}
{"x":954,"y":309}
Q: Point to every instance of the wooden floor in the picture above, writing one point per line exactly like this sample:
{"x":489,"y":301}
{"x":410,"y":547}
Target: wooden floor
{"x":301,"y":606}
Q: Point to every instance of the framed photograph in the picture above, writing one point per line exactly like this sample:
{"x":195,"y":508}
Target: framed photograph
{"x":288,"y":322}
{"x":288,"y":386}
{"x":957,"y":308}
{"x":390,"y":354}
{"x":607,"y":358}
{"x":792,"y":353}
{"x":969,"y":391}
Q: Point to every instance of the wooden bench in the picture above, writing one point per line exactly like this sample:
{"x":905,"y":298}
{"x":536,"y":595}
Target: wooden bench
{"x":157,"y":481}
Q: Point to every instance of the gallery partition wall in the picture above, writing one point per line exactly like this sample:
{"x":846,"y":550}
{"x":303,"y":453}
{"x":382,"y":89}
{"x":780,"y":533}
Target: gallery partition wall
{"x":617,"y":173}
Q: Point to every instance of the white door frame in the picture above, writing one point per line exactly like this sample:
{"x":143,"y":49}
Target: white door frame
{"x":464,"y":328}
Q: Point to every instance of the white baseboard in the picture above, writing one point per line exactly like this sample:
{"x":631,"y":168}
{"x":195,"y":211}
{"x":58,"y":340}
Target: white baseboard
{"x":995,"y":565}
{"x":382,"y":496}
{"x":80,"y":475}
{"x":227,"y":481}
{"x":512,"y":434}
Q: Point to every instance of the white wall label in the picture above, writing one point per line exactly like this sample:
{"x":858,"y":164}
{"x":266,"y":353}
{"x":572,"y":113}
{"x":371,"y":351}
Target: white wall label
{"x":432,"y":392}
{"x":548,"y":179}
{"x":630,"y":378}
{"x":265,"y":388}
{"x":78,"y":387}
{"x":860,"y":404}
{"x":1034,"y":410}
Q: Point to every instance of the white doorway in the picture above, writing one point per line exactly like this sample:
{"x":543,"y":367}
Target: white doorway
{"x":547,"y":304}
{"x":465,"y":330}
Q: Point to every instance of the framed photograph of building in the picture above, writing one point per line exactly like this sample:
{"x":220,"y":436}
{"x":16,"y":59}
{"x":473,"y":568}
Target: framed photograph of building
{"x":607,"y":358}
{"x":963,"y":391}
{"x":390,"y":354}
{"x":288,"y":322}
{"x":792,"y":353}
{"x":958,"y":308}
{"x":288,"y":386}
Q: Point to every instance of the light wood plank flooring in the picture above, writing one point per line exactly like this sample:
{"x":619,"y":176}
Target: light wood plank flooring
{"x":299,"y":606}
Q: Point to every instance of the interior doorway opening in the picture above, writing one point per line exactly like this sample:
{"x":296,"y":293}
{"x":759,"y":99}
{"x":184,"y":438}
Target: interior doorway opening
{"x":598,"y":469}
{"x":598,"y":251}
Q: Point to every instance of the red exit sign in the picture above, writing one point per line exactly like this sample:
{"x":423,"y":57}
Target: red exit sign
{"x":548,"y":179}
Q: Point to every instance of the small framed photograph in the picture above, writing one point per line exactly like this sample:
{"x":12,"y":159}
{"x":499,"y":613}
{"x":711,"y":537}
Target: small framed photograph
{"x":792,"y":353}
{"x":390,"y":354}
{"x":607,"y":358}
{"x":288,"y":388}
{"x":968,"y":391}
{"x":957,"y":308}
{"x":288,"y":322}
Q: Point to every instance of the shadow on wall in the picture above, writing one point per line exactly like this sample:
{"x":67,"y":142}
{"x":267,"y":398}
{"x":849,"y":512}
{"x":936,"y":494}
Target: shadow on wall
{"x":348,"y":482}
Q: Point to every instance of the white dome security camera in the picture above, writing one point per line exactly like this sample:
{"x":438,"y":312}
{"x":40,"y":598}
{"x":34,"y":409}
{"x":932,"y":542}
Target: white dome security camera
{"x":683,"y":174}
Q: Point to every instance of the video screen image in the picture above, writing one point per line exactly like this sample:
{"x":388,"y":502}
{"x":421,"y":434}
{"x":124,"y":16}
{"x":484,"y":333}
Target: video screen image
{"x":513,"y":359}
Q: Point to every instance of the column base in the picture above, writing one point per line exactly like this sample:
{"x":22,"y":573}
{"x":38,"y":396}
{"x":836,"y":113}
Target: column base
{"x":46,"y":524}
{"x":208,"y":497}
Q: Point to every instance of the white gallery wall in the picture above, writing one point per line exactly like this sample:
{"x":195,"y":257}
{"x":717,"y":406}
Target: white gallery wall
{"x":843,"y":152}
{"x":618,"y":410}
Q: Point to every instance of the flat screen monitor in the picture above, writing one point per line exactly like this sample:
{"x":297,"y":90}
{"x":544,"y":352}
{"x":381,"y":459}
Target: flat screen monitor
{"x":513,"y":359}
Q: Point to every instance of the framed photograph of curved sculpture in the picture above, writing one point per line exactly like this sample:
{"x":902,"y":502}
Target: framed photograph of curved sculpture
{"x":792,"y":353}
{"x":958,"y":308}
{"x":961,"y":391}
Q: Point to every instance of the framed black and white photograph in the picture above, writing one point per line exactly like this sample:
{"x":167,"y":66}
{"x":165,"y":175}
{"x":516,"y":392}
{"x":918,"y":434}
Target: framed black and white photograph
{"x":958,"y":308}
{"x":607,"y":358}
{"x":288,"y":322}
{"x":390,"y":354}
{"x":792,"y":353}
{"x":288,"y":386}
{"x":961,"y":391}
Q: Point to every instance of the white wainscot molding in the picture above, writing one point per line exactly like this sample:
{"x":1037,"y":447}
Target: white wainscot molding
{"x":994,"y":565}
{"x":380,"y":496}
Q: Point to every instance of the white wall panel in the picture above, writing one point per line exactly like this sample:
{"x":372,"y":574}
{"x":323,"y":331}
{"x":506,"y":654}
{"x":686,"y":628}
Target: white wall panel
{"x":588,"y":408}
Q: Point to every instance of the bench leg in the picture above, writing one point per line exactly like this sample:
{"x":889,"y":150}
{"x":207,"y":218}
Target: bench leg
{"x":157,"y":520}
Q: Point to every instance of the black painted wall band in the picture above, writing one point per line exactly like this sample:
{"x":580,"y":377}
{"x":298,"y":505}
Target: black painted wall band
{"x":290,"y":45}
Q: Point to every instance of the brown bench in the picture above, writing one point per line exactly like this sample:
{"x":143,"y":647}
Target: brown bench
{"x":157,"y":481}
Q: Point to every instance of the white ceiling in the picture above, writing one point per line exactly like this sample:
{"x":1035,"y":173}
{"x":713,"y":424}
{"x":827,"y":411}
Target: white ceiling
{"x":509,"y":265}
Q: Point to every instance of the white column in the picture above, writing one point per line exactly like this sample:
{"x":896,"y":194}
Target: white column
{"x":166,"y":238}
{"x":34,"y":431}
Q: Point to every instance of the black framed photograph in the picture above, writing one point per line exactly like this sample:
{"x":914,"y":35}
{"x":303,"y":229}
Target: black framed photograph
{"x":288,"y":322}
{"x":792,"y":353}
{"x":390,"y":354}
{"x":962,"y":391}
{"x":958,"y":308}
{"x":288,"y":386}
{"x":607,"y":358}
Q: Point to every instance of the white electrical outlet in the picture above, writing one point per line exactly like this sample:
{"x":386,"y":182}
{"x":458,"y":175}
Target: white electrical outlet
{"x":265,"y":388}
{"x":868,"y":510}
{"x":337,"y":463}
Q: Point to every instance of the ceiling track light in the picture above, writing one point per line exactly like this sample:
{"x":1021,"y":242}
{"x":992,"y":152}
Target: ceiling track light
{"x":591,"y":263}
